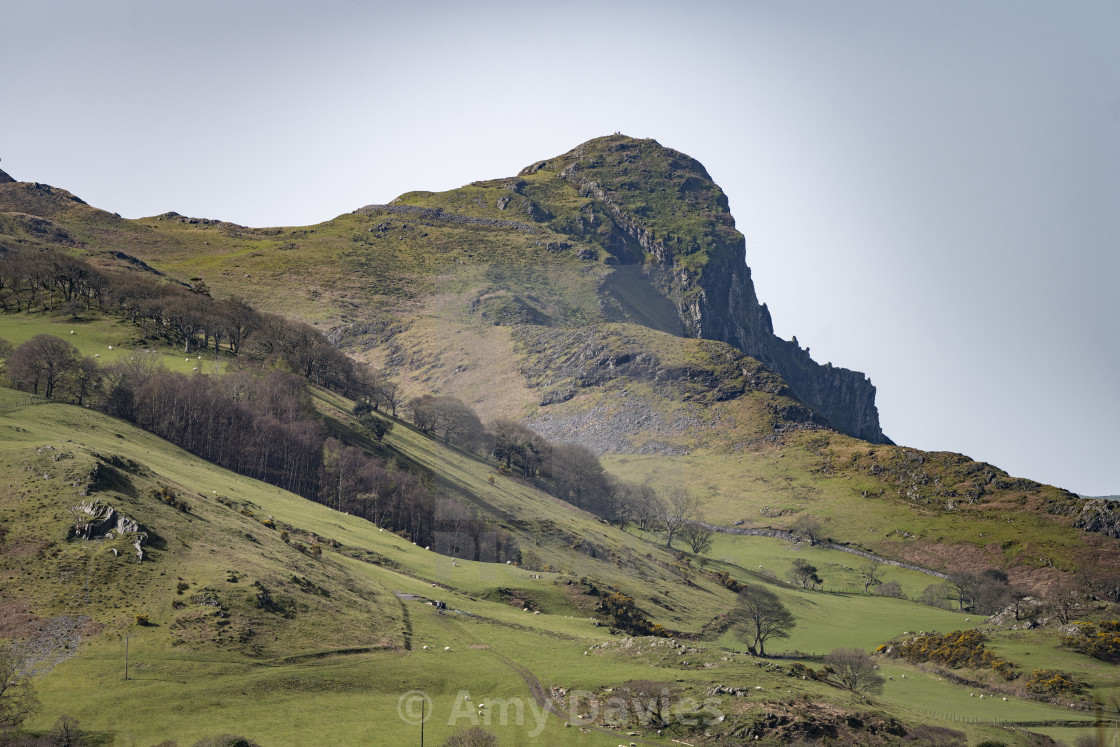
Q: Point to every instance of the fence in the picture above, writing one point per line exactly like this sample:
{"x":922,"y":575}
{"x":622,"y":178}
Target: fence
{"x":24,"y":403}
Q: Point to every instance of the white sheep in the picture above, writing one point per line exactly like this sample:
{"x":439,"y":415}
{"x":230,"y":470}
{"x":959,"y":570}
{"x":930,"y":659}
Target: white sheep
{"x":448,"y":648}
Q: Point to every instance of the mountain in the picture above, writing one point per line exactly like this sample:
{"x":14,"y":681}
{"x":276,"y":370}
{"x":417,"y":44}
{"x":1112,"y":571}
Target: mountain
{"x":669,"y":224}
{"x":616,"y":230}
{"x":600,"y":297}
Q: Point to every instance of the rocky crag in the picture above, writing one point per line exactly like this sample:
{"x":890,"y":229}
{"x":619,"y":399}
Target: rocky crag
{"x":659,"y":215}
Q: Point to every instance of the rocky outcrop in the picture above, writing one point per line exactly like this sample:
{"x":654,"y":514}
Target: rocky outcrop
{"x":96,"y":520}
{"x":4,"y":178}
{"x":726,"y":308}
{"x":1099,"y":515}
{"x":671,"y":220}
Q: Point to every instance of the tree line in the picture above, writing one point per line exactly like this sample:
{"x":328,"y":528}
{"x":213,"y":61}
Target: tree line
{"x":183,"y":315}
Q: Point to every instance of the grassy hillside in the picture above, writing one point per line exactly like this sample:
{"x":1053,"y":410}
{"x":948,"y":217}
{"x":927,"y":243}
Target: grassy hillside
{"x":342,"y":642}
{"x":513,"y":294}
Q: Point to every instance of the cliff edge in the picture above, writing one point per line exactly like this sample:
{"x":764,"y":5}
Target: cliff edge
{"x":669,"y":222}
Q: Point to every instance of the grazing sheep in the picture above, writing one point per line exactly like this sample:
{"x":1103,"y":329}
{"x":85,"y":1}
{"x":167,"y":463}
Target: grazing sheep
{"x":448,"y":648}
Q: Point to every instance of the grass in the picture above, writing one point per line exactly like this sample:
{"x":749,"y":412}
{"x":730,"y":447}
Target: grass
{"x":433,"y":299}
{"x":105,"y":338}
{"x":295,"y":690}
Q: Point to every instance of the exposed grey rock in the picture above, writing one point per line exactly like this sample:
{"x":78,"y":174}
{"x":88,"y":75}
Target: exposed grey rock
{"x":1099,"y":515}
{"x":95,"y":520}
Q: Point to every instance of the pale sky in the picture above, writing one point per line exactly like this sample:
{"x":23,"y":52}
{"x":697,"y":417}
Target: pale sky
{"x":930,"y":190}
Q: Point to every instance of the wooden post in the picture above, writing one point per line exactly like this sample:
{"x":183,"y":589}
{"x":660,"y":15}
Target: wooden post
{"x":126,"y":657}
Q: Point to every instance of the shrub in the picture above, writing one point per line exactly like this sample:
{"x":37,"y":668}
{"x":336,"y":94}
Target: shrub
{"x":1052,"y":682}
{"x":142,"y":620}
{"x":890,"y":589}
{"x":626,"y":616}
{"x":1101,"y":641}
{"x":269,"y":523}
{"x":474,"y":736}
{"x":955,"y":649}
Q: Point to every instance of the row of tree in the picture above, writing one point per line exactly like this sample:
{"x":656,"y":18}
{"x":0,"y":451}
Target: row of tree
{"x":186,"y":316}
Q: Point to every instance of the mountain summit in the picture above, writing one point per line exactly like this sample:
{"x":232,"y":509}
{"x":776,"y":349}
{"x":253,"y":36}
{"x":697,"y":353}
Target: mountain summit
{"x":671,"y":223}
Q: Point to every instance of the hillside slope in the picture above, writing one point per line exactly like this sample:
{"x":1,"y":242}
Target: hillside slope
{"x":616,"y":230}
{"x":573,"y":297}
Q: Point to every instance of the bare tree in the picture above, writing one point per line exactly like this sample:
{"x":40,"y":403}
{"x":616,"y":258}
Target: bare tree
{"x":853,"y":669}
{"x":679,"y":508}
{"x":578,"y":477}
{"x":651,"y":700}
{"x":872,"y":574}
{"x":17,"y":695}
{"x":646,"y":507}
{"x":964,"y":586}
{"x":1017,"y":598}
{"x":1064,"y":600}
{"x":517,"y":445}
{"x":761,"y":616}
{"x":808,"y":527}
{"x":697,"y":536}
{"x":456,"y":421}
{"x":42,"y":364}
{"x":422,"y":413}
{"x":804,"y":574}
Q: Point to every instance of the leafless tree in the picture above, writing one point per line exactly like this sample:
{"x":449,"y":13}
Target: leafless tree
{"x":578,"y":477}
{"x":697,"y":536}
{"x":872,"y":574}
{"x":854,"y":669}
{"x":808,"y":527}
{"x":646,"y":507}
{"x":43,"y":364}
{"x":1064,"y":600}
{"x":804,"y":574}
{"x":679,"y":508}
{"x":17,"y":695}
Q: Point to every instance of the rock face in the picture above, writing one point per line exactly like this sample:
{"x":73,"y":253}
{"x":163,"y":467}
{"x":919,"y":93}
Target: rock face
{"x":672,"y":223}
{"x":4,"y":178}
{"x":96,"y":520}
{"x":1099,"y":515}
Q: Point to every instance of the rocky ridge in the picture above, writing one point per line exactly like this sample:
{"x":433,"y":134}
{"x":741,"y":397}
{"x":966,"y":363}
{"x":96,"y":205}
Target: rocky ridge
{"x":673,"y":221}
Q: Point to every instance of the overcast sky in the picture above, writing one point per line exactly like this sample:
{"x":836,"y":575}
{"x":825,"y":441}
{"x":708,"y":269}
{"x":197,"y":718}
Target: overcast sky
{"x":930,"y":191}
